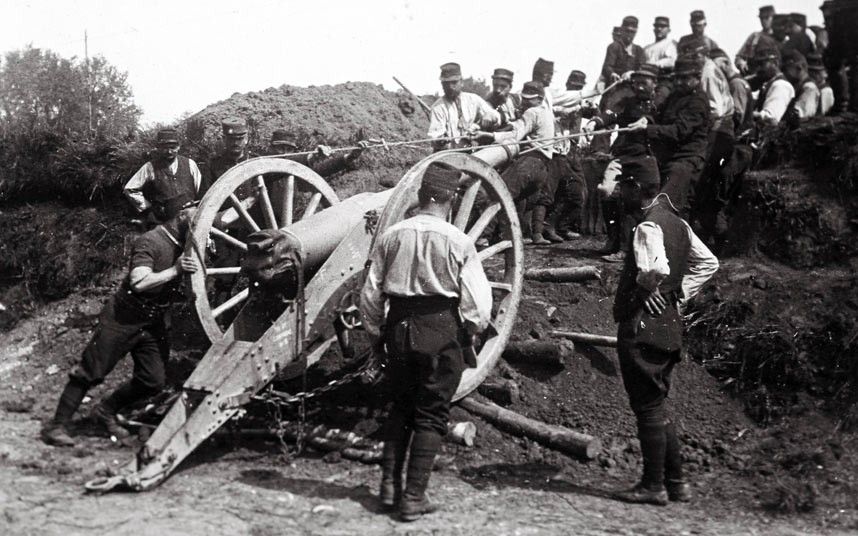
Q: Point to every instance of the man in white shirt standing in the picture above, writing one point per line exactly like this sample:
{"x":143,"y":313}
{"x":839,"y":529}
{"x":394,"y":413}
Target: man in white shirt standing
{"x":428,"y":273}
{"x":166,"y":182}
{"x":667,"y":264}
{"x":661,"y":53}
{"x":458,"y":114}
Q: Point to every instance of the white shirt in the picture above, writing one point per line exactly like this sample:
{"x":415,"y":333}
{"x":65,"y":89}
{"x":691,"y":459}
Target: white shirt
{"x":653,"y":266}
{"x":778,"y":96}
{"x":446,"y":121}
{"x":717,"y":89}
{"x":661,"y":53}
{"x":807,"y":101}
{"x":535,"y":123}
{"x":425,"y":256}
{"x":134,"y":187}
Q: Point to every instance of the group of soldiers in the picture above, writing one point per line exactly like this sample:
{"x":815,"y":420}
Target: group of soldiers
{"x":681,"y":114}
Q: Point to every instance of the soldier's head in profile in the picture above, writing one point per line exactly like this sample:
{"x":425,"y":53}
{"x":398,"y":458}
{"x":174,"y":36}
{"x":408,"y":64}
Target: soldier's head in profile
{"x":532,"y":94}
{"x":543,"y":71}
{"x":282,"y":142}
{"x":576,"y":81}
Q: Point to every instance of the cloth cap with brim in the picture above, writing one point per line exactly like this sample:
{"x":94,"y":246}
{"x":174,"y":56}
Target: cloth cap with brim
{"x":641,"y":169}
{"x":661,"y":21}
{"x":543,"y":66}
{"x":646,"y":70}
{"x":780,"y":19}
{"x":691,"y":44}
{"x":697,"y":16}
{"x":577,"y":78}
{"x":718,"y":53}
{"x":282,"y":137}
{"x":630,"y":22}
{"x":440,"y":181}
{"x":502,"y":74}
{"x":451,"y":72}
{"x":767,"y":11}
{"x":687,"y":66}
{"x":798,"y":18}
{"x":762,"y":54}
{"x":234,"y":126}
{"x":167,"y":136}
{"x":532,"y":89}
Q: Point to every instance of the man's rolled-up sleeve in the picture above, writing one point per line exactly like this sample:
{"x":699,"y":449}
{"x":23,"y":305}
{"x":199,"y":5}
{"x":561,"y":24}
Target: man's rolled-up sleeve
{"x":372,"y":295}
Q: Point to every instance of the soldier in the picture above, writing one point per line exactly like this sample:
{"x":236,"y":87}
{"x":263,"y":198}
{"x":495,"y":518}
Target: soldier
{"x":698,"y":31}
{"x":740,"y":89}
{"x":806,"y":101}
{"x":234,"y":149}
{"x":666,"y":265}
{"x":662,"y":52}
{"x":816,"y":68}
{"x":798,"y":40}
{"x":323,"y":161}
{"x":679,"y":136}
{"x":530,"y":175}
{"x":502,"y":99}
{"x":622,"y":55}
{"x":458,"y":114}
{"x":762,"y":38}
{"x":776,"y":92}
{"x":132,"y":321}
{"x":167,"y":176}
{"x":439,"y":300}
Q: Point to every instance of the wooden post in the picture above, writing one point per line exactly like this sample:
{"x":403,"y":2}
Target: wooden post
{"x":587,"y":338}
{"x":555,"y":437}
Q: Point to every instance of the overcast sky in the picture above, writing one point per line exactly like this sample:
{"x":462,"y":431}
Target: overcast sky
{"x":183,"y":55}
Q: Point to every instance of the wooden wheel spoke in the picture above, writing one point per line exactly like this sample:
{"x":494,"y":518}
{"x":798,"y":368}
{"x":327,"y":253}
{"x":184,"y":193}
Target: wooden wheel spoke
{"x":224,"y":270}
{"x":230,"y":303}
{"x":494,"y":249}
{"x":467,"y":205}
{"x":312,"y":205}
{"x":287,"y":211}
{"x":242,"y":212}
{"x":231,"y":240}
{"x":267,"y":209}
{"x":483,"y":221}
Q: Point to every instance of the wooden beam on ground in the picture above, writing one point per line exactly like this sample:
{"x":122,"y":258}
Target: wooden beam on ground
{"x":555,"y":437}
{"x":567,"y":274}
{"x":587,"y":338}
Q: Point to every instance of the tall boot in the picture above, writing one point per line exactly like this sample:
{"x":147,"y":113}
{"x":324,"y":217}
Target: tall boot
{"x":55,"y":432}
{"x":392,"y":463}
{"x":424,"y":446}
{"x":678,"y":489}
{"x":538,"y":226}
{"x":650,"y":490}
{"x":106,"y":411}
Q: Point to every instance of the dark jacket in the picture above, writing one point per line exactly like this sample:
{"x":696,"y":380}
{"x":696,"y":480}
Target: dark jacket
{"x":681,"y":127}
{"x":622,"y":113}
{"x":618,"y":61}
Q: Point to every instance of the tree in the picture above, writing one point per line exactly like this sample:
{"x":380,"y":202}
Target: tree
{"x":41,"y":91}
{"x":475,"y":85}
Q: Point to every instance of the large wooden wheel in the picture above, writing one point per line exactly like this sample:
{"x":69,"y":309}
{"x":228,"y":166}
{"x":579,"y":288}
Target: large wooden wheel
{"x":262,"y":193}
{"x":502,"y":261}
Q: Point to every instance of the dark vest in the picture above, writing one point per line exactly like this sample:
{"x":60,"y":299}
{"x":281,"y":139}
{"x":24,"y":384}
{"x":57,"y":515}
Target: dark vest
{"x":167,"y":192}
{"x":677,"y":244}
{"x":761,"y":100}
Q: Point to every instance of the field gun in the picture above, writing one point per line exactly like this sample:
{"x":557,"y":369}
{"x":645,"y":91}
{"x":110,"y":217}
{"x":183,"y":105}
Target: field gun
{"x":251,"y":347}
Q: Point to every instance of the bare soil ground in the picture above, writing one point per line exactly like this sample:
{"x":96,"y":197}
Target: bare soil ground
{"x":742,"y":473}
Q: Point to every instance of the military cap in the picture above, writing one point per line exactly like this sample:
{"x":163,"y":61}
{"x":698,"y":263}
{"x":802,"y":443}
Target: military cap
{"x":167,"y":136}
{"x":577,"y":78}
{"x":234,"y":126}
{"x":502,"y":74}
{"x":766,"y":53}
{"x":718,"y":53}
{"x":687,"y":65}
{"x":698,"y":16}
{"x":630,"y":22}
{"x":647,"y":70}
{"x":661,"y":21}
{"x":798,"y":18}
{"x":767,"y":11}
{"x":641,"y":169}
{"x":814,"y":61}
{"x":532,"y":89}
{"x":780,"y":19}
{"x":282,"y":137}
{"x":543,"y":66}
{"x":451,"y":72}
{"x":440,"y":181}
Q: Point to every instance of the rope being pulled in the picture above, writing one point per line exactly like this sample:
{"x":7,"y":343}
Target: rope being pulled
{"x":538,"y":143}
